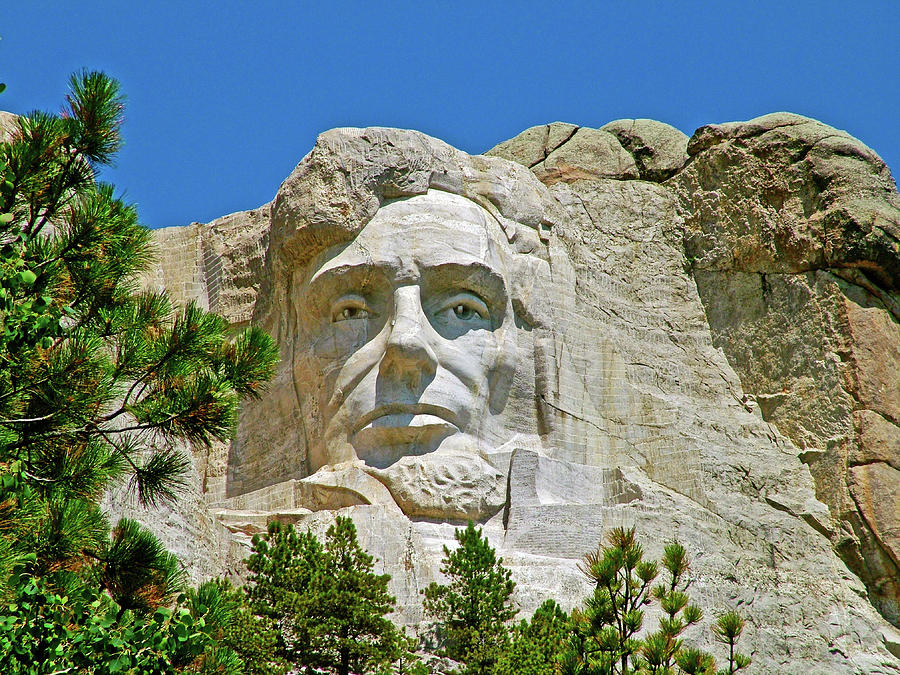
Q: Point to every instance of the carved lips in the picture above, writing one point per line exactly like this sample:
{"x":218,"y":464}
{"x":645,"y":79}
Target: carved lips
{"x":393,"y":415}
{"x":396,"y":430}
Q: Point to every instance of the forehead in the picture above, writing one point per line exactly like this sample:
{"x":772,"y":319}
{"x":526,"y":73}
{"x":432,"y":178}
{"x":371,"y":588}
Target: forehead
{"x":421,"y":232}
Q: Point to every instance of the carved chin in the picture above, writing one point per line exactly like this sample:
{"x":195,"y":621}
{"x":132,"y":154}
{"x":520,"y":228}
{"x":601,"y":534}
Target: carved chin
{"x":444,"y":485}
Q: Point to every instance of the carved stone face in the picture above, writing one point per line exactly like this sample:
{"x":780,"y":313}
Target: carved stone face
{"x":405,"y":344}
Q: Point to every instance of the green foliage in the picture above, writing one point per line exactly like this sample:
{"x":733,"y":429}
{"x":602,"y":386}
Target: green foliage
{"x":693,"y":661}
{"x":407,"y":661}
{"x":727,"y":630}
{"x":98,"y":381}
{"x":606,"y":637}
{"x":662,"y":649}
{"x":243,"y":643}
{"x":606,"y":630}
{"x":283,"y":568}
{"x":42,"y":631}
{"x":330,"y":604}
{"x":475,"y":605}
{"x":535,"y":645}
{"x":136,"y":569}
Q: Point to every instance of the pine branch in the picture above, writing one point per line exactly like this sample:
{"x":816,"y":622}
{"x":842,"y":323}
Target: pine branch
{"x":160,"y":478}
{"x":137,"y":571}
{"x":26,"y":420}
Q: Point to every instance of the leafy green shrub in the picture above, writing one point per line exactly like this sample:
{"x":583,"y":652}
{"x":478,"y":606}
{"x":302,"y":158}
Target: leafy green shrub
{"x":42,"y":632}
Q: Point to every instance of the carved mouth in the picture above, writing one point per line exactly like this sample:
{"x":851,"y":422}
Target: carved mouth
{"x":410,"y":410}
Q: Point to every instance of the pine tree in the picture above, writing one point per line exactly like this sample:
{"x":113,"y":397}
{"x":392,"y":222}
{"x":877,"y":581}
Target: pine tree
{"x":605,"y":640}
{"x":606,"y":636}
{"x":727,"y":630}
{"x":243,"y":642}
{"x":475,"y":605}
{"x":354,"y":602}
{"x":98,"y":380}
{"x":284,"y":567}
{"x":664,"y":647}
{"x":331,"y":605}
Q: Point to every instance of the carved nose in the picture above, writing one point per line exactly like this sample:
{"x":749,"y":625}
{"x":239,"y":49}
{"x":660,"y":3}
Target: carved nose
{"x":408,"y":356}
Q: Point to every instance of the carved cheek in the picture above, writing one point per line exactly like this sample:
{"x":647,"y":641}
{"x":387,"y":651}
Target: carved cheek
{"x":471,"y":358}
{"x":350,"y":336}
{"x":338,"y":341}
{"x":504,"y":368}
{"x":323,"y":358}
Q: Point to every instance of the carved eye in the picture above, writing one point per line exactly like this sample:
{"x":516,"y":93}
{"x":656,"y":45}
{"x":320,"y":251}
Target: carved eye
{"x":350,"y":313}
{"x":468,"y":307}
{"x":464,"y":313}
{"x":348,"y":309}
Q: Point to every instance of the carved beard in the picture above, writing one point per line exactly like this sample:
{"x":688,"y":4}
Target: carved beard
{"x":453,"y":485}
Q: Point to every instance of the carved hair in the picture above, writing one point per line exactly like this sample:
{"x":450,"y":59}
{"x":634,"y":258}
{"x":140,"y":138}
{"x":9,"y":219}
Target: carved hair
{"x":350,"y":173}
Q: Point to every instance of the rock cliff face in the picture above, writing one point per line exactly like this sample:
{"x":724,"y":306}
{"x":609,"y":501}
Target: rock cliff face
{"x":793,"y":231}
{"x":706,"y":345}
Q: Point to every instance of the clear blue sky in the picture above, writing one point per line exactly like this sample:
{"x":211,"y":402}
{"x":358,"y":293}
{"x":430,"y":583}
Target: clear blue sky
{"x":224,"y":98}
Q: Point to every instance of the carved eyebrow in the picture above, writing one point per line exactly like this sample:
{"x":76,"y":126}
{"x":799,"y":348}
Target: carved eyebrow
{"x":346,"y":271}
{"x":479,"y":276}
{"x":360,"y":272}
{"x":355,"y":276}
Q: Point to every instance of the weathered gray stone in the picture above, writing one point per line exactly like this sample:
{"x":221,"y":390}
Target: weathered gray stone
{"x":791,"y":230}
{"x":217,"y":264}
{"x":590,"y":153}
{"x":8,"y":125}
{"x":187,"y":528}
{"x":783,"y":193}
{"x":532,"y":146}
{"x":563,"y":152}
{"x":659,"y":150}
{"x":656,"y":361}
